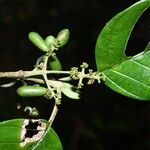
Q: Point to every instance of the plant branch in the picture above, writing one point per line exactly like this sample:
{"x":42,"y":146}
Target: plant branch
{"x":16,"y":74}
{"x":40,"y":81}
{"x":53,"y":115}
{"x":24,"y":74}
{"x":45,"y":76}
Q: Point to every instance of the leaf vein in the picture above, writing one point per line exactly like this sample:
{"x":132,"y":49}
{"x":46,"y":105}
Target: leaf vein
{"x":131,"y":78}
{"x":144,"y":66}
{"x":129,"y":93}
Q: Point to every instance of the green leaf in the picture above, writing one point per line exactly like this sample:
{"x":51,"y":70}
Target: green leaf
{"x":113,"y":39}
{"x":50,"y":140}
{"x":66,"y":88}
{"x":12,"y":134}
{"x":70,"y":91}
{"x":132,"y":77}
{"x":129,"y":76}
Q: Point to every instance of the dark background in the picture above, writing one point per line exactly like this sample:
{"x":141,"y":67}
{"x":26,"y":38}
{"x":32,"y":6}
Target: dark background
{"x":101,"y":119}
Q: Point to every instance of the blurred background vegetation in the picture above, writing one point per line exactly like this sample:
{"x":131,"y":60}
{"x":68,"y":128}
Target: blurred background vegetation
{"x":101,"y":119}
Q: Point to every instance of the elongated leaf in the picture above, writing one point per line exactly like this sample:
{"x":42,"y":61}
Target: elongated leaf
{"x":113,"y":39}
{"x":14,"y":134}
{"x":49,"y":141}
{"x":132,"y":77}
{"x":129,"y":76}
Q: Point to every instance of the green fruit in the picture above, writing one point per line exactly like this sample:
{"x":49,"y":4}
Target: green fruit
{"x":63,"y":37}
{"x":54,"y":63}
{"x":31,"y":91}
{"x":43,"y":58}
{"x":50,"y":41}
{"x":37,"y":40}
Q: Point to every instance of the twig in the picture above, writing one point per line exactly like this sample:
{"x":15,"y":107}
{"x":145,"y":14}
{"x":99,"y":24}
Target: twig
{"x":45,"y":76}
{"x":17,"y":74}
{"x":40,"y":81}
{"x":7,"y":85}
{"x":24,"y":74}
{"x":53,"y":115}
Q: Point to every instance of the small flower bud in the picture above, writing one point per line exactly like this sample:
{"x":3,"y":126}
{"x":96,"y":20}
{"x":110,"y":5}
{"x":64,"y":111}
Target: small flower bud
{"x":50,"y":41}
{"x":63,"y":37}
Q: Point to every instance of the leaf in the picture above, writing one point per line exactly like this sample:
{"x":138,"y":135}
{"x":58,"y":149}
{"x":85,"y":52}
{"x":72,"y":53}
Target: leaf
{"x":132,"y":77}
{"x":12,"y":133}
{"x":49,"y":141}
{"x":66,"y":88}
{"x":70,"y":91}
{"x":129,"y":76}
{"x":113,"y":39}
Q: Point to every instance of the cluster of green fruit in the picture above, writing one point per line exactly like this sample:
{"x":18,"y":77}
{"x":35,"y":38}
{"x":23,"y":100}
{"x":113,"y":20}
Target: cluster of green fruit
{"x":48,"y":46}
